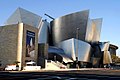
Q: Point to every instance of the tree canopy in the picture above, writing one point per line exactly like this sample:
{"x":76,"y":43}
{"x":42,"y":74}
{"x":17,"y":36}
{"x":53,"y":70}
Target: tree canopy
{"x":115,"y":59}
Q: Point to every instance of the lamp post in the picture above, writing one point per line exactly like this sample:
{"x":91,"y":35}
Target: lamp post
{"x":77,"y":37}
{"x":55,"y":58}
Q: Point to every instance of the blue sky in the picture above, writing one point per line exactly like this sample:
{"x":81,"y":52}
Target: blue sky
{"x":109,"y":10}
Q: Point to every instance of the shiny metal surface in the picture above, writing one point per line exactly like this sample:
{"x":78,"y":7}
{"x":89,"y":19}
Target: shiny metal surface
{"x":23,"y":16}
{"x":60,"y":52}
{"x":107,"y":58}
{"x":104,"y":46}
{"x":55,"y":50}
{"x":96,"y":29}
{"x":69,"y":47}
{"x":106,"y":54}
{"x":65,"y":27}
{"x":43,"y":32}
{"x":93,"y":30}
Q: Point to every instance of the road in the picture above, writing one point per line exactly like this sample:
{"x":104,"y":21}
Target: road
{"x":61,"y":75}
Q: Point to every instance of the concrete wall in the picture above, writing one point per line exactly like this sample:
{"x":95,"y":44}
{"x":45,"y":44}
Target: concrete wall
{"x":32,"y":29}
{"x":13,"y":43}
{"x":42,"y":54}
{"x":8,"y":44}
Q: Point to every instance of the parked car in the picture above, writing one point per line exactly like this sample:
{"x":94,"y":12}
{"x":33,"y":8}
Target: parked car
{"x":12,"y":68}
{"x":31,"y":66}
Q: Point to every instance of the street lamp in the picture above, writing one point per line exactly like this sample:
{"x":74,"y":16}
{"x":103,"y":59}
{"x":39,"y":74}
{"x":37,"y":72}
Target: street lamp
{"x":55,"y":58}
{"x":77,"y":37}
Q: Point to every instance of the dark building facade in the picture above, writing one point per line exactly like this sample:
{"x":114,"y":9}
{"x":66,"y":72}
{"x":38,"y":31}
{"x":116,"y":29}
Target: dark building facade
{"x":113,"y":49}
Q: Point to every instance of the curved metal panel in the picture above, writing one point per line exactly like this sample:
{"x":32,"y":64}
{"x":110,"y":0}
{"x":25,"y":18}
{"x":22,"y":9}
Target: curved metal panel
{"x":55,"y":50}
{"x":65,"y":27}
{"x":107,"y":58}
{"x":43,"y":32}
{"x":60,"y":52}
{"x":93,"y":30}
{"x":96,"y":29}
{"x":104,"y":46}
{"x":76,"y":48}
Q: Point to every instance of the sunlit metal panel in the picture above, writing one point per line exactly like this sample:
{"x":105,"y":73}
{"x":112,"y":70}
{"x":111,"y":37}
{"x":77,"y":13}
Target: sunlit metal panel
{"x":43,"y":32}
{"x":71,"y":46}
{"x":60,"y":52}
{"x":65,"y":27}
{"x":93,"y":30}
{"x":104,"y":46}
{"x":107,"y":58}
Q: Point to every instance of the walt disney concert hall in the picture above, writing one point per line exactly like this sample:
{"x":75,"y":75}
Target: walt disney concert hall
{"x":72,"y":40}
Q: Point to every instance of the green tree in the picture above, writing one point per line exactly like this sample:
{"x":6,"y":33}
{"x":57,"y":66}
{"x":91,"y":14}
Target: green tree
{"x":115,"y":59}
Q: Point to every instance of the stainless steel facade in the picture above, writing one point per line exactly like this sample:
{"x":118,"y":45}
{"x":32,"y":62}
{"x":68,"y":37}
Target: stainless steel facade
{"x":76,"y":48}
{"x":74,"y":35}
{"x":43,"y":33}
{"x":93,"y":30}
{"x":65,"y":27}
{"x":55,"y":51}
{"x":23,"y":16}
{"x":107,"y":58}
{"x":96,"y":29}
{"x":106,"y":54}
{"x":104,"y":46}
